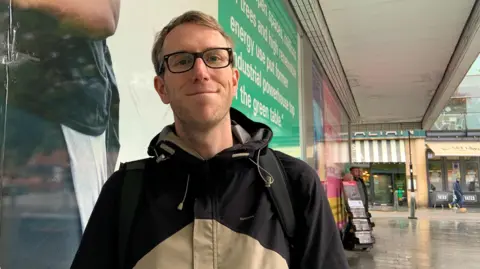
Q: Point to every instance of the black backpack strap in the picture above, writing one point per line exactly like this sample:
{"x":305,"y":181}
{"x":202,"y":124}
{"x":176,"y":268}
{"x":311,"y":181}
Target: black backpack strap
{"x":131,"y":189}
{"x":280,"y":192}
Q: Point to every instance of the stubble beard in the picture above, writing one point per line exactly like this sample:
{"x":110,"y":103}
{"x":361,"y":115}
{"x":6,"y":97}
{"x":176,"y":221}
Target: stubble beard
{"x":186,"y":117}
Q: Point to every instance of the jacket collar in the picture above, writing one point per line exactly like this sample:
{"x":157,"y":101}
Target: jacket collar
{"x":250,"y":137}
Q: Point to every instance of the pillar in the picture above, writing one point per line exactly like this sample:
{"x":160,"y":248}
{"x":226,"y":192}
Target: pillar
{"x":419,"y":163}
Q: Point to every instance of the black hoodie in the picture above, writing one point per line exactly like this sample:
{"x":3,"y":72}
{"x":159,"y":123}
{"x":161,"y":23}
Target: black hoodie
{"x":196,"y":213}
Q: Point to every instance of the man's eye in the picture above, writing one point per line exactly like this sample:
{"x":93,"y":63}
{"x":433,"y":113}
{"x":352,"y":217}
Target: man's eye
{"x":182,"y":62}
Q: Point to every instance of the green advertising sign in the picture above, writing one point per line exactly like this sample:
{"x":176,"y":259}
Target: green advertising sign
{"x":266,"y":55}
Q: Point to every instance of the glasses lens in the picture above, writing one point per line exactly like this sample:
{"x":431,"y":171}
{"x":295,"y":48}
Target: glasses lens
{"x":216,"y":58}
{"x":180,"y":62}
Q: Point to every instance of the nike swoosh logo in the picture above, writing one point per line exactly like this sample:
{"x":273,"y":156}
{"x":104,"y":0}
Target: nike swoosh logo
{"x":247,"y":218}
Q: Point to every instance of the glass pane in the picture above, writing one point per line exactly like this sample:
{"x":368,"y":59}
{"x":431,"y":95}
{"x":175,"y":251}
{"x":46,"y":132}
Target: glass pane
{"x":435,"y":173}
{"x":61,"y":134}
{"x":456,"y":106}
{"x":366,"y":179}
{"x":383,"y":189}
{"x":473,"y":120}
{"x":453,"y":172}
{"x":473,"y":105}
{"x":319,"y":137}
{"x":400,"y":186}
{"x":471,"y":176}
{"x":470,"y":86}
{"x":450,"y":122}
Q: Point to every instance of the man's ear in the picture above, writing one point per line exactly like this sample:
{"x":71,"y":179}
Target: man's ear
{"x":159,"y":84}
{"x":235,"y":78}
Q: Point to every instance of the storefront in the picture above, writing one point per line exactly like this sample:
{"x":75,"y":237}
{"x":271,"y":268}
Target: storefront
{"x":453,"y":144}
{"x":383,"y":157}
{"x":449,"y":161}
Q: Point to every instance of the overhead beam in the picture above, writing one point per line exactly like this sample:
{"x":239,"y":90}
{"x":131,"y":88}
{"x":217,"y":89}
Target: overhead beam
{"x":311,"y":18}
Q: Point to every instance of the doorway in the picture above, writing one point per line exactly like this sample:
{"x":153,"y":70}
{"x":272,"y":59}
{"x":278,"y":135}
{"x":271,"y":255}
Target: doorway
{"x":382,"y":189}
{"x":386,"y":178}
{"x":400,"y":185}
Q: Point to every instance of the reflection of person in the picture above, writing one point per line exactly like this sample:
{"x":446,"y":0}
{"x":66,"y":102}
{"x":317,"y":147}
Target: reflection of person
{"x":471,"y":185}
{"x":362,"y":188}
{"x":61,"y":121}
{"x":202,"y":189}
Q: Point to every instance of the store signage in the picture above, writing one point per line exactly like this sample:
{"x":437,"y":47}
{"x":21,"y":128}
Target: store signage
{"x":266,"y":54}
{"x":470,"y":198}
{"x":382,"y":133}
{"x":386,"y":134}
{"x":441,"y":196}
{"x":461,"y":148}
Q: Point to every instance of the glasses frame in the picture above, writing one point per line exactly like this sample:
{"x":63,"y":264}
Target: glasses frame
{"x":195,"y":55}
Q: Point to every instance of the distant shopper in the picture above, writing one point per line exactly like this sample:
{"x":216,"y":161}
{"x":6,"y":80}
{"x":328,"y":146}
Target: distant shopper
{"x":457,"y":195}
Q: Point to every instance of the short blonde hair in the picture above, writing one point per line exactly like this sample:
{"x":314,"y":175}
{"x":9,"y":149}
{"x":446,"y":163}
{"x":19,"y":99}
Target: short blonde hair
{"x":194,"y":17}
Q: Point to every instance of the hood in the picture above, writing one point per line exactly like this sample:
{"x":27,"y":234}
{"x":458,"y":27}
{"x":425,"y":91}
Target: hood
{"x":250,"y":138}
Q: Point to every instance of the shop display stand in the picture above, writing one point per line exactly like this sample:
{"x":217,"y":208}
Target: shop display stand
{"x":358,"y":233}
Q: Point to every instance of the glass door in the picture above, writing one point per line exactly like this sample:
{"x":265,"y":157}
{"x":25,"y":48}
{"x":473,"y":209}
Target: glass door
{"x":453,"y":172}
{"x":383,"y":189}
{"x":471,"y":176}
{"x":400,"y":185}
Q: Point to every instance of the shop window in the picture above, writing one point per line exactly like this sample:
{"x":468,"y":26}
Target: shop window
{"x":435,"y":175}
{"x":471,"y":176}
{"x":453,"y":173}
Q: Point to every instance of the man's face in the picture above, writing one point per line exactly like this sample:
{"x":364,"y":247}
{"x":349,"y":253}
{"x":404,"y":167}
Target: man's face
{"x":202,"y":96}
{"x":356,"y":172}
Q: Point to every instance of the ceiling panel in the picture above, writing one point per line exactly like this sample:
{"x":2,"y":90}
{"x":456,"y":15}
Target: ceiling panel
{"x":394,"y":53}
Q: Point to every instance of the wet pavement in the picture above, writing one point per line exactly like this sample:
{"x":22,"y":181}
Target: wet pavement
{"x":437,"y":239}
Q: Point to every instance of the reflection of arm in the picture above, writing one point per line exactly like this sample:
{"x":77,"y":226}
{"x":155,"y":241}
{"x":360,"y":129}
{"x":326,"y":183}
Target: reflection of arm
{"x":93,"y":18}
{"x":98,"y":248}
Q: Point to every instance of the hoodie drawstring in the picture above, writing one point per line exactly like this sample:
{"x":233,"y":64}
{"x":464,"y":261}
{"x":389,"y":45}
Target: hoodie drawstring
{"x":180,"y":206}
{"x":269,"y":178}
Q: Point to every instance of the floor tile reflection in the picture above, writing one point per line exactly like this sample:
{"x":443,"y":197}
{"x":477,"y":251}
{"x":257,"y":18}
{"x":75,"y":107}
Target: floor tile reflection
{"x":447,"y":242}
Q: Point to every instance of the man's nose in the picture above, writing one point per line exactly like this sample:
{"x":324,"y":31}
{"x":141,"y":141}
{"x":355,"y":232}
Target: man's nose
{"x":200,"y":70}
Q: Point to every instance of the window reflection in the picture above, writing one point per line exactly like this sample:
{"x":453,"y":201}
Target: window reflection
{"x":462,"y":111}
{"x":453,"y":173}
{"x":435,"y":175}
{"x":59,"y":111}
{"x":471,"y":176}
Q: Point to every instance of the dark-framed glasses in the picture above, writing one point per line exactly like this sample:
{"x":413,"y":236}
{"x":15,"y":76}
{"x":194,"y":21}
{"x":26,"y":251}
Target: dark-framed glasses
{"x":182,"y":61}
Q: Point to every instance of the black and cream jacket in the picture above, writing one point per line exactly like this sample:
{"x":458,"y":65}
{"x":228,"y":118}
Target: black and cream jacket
{"x":213,"y":214}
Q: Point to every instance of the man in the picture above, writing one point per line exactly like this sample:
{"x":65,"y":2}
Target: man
{"x":61,"y":121}
{"x":204,"y":203}
{"x":458,"y":195}
{"x":362,"y":188}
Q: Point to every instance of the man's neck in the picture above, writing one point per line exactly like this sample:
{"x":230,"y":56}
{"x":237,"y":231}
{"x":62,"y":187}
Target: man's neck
{"x":207,"y":143}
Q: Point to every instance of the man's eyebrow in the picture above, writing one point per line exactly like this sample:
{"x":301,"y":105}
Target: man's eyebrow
{"x":177,"y":51}
{"x":207,"y":48}
{"x":217,"y":47}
